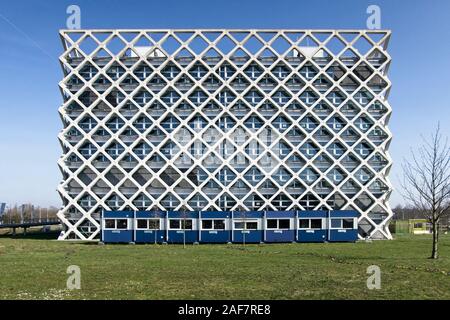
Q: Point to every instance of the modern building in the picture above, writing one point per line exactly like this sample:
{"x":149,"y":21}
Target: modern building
{"x":2,"y":210}
{"x":224,"y":120}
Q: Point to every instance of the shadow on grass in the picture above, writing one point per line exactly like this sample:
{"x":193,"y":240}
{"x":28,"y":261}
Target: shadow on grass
{"x":40,"y":235}
{"x":51,"y":235}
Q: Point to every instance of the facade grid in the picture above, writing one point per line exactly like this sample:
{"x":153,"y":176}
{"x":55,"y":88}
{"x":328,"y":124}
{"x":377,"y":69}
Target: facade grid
{"x":216,"y":120}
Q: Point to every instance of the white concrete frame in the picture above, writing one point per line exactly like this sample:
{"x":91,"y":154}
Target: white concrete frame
{"x":294,"y":41}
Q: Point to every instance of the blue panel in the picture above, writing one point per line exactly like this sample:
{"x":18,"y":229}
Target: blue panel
{"x":280,"y":235}
{"x":312,"y":214}
{"x":215,"y":214}
{"x":312,"y":235}
{"x":216,"y":236}
{"x":148,"y":236}
{"x":118,"y":214}
{"x":181,"y":214}
{"x":252,"y":236}
{"x":176,"y":236}
{"x":117,"y":236}
{"x":224,"y":236}
{"x":343,"y":235}
{"x":248,"y":215}
{"x":344,"y":214}
{"x":280,"y":214}
{"x":150,"y":214}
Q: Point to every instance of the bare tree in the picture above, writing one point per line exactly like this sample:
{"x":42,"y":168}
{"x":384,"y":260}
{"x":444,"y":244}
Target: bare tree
{"x":12,"y":215}
{"x":406,"y":212}
{"x":243,"y":214}
{"x":156,"y":226}
{"x":244,"y":231}
{"x":426,"y":182}
{"x":184,"y":215}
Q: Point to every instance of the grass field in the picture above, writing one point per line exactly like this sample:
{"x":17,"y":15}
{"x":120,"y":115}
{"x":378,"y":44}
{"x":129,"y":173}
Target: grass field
{"x":35,"y":268}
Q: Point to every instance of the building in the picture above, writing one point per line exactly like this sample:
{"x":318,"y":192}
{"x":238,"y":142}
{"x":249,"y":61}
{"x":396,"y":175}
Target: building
{"x":2,"y":210}
{"x":217,"y":120}
{"x":413,"y":226}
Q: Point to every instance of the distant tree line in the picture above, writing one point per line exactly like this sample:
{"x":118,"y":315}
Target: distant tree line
{"x":409,"y":212}
{"x":28,"y":213}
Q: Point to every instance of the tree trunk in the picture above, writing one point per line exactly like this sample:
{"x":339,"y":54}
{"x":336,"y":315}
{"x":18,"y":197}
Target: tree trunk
{"x":434,"y":252}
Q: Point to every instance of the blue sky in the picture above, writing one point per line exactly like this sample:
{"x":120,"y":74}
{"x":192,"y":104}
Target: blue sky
{"x":29,"y":69}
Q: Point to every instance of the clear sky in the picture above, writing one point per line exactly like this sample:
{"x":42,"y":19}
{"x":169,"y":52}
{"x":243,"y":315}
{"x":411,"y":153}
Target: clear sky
{"x":30,"y":72}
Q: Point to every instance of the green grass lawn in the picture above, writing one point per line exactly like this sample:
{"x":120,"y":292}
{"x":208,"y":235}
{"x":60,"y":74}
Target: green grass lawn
{"x":34,"y":268}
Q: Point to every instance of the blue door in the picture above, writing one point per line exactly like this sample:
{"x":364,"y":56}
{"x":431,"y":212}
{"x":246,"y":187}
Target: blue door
{"x":180,"y":236}
{"x":248,"y":236}
{"x":312,"y":235}
{"x":216,"y":236}
{"x":148,"y":236}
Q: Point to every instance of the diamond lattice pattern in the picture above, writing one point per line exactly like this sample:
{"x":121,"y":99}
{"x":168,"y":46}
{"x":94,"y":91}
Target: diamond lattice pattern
{"x":224,"y":120}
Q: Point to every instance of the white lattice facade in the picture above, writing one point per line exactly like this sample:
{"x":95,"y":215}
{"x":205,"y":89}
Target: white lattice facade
{"x":224,"y":120}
